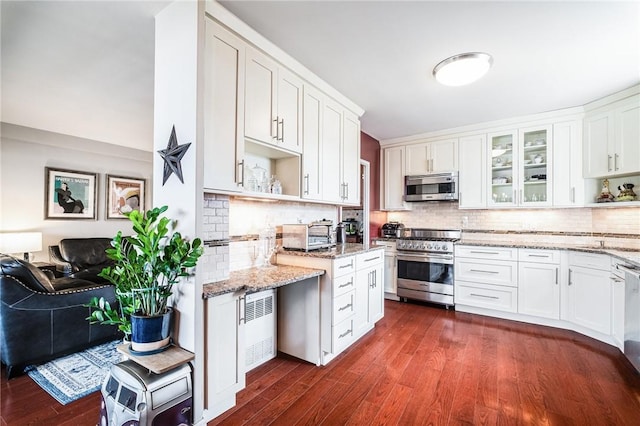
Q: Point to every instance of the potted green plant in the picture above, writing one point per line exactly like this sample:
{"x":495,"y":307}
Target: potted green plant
{"x":146,"y":266}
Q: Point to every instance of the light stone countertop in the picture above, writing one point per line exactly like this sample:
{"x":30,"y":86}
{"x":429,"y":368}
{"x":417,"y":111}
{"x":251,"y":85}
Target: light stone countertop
{"x":341,"y":250}
{"x":260,"y":278}
{"x":630,"y":256}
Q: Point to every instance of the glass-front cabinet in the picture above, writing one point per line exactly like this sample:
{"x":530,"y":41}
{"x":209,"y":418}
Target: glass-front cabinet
{"x":520,"y":165}
{"x":536,"y":159}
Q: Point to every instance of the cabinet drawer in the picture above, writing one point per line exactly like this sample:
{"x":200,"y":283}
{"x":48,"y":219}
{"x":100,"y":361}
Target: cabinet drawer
{"x":539,"y":256}
{"x":590,"y":260}
{"x":487,"y":296}
{"x":342,"y":335}
{"x":487,"y":272}
{"x":480,"y":252}
{"x":343,"y":307}
{"x":365,"y":260}
{"x":343,"y":266}
{"x":344,"y":284}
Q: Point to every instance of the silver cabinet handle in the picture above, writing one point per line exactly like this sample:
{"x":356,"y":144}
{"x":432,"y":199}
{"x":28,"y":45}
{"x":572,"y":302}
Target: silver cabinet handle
{"x":608,"y":162}
{"x":573,"y":194}
{"x":242,"y":309}
{"x":350,"y":265}
{"x":241,"y":180}
{"x":281,"y":133}
{"x":371,"y":258}
{"x":484,"y":252}
{"x":615,"y":161}
{"x":276,"y":132}
{"x":346,"y":284}
{"x":306,"y":183}
{"x":484,"y":272}
{"x":482,"y":295}
{"x":346,"y":333}
{"x":345,"y":307}
{"x":546,"y":256}
{"x":570,"y":276}
{"x":556,"y":276}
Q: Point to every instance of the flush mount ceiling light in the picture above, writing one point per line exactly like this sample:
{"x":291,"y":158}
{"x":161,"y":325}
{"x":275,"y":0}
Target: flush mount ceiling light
{"x":462,"y":69}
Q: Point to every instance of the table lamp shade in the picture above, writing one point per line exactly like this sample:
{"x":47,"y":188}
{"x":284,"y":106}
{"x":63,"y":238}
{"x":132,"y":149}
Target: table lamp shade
{"x":20,"y":242}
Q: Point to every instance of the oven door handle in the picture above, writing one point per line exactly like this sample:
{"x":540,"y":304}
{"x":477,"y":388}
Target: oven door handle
{"x":438,"y":258}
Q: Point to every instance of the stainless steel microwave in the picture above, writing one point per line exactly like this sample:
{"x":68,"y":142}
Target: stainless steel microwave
{"x":431,"y":187}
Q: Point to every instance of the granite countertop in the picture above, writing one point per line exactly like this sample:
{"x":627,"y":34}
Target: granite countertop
{"x":258,"y":279}
{"x":341,"y":250}
{"x":627,"y":255}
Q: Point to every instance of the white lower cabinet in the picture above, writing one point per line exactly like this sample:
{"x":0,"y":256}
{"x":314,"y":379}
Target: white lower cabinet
{"x":483,"y":280}
{"x":589,"y":296}
{"x":351,"y":297}
{"x":539,"y":283}
{"x":225,"y":356}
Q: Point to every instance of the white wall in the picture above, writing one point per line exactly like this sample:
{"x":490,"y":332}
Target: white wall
{"x":24,"y":154}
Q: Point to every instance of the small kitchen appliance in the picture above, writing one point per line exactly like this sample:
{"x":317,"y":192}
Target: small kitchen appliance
{"x":425,"y":265}
{"x":306,"y":237}
{"x":391,"y":230}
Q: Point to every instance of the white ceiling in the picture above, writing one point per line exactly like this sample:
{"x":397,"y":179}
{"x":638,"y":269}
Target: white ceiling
{"x":85,"y":68}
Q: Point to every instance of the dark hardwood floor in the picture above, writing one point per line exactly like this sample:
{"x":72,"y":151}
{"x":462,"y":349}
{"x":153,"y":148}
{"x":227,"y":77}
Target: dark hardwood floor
{"x":420,"y":365}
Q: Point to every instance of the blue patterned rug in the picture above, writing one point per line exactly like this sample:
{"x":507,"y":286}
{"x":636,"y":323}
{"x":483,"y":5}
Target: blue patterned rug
{"x":76,"y":375}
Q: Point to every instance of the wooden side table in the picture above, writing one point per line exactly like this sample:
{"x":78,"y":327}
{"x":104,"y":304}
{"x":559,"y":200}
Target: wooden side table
{"x":160,"y":362}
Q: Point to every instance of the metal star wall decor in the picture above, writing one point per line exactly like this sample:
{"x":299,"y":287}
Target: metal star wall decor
{"x":172,"y":156}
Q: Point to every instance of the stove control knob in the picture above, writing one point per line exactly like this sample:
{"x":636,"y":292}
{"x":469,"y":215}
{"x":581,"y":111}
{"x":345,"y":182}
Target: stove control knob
{"x":430,"y":246}
{"x":436,"y":247}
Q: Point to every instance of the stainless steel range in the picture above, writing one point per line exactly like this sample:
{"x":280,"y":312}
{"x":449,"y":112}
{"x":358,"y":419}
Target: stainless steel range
{"x":425,"y":265}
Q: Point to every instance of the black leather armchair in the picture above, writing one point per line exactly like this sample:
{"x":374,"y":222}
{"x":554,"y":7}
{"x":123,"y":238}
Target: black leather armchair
{"x":43,"y":318}
{"x":81,"y":258}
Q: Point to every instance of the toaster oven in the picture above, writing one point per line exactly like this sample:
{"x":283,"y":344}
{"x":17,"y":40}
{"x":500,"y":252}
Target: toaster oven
{"x":306,"y":237}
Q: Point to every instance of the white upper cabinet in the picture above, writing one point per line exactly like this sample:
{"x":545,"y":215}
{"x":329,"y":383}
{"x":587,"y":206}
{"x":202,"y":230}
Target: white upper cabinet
{"x":273,"y":103}
{"x":568,"y":184}
{"x":312,"y":138}
{"x":432,"y":157}
{"x":612,"y":139}
{"x":392,"y":182}
{"x":223,"y":109}
{"x":520,"y":163}
{"x":472,"y":179}
{"x":331,"y":147}
{"x":350,"y":159}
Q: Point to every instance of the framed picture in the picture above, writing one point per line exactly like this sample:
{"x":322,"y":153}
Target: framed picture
{"x":70,"y":194}
{"x":124,"y":194}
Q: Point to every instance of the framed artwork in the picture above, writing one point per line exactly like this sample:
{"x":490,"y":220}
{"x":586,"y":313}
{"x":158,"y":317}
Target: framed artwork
{"x":70,"y":194}
{"x":124,"y":194}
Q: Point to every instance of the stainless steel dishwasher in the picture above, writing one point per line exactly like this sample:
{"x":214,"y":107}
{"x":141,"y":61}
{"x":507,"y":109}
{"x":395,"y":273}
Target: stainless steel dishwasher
{"x":632,"y":316}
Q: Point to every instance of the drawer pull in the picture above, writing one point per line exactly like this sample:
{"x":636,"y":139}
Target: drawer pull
{"x":483,"y":271}
{"x":346,"y":284}
{"x":345,"y":307}
{"x":484,"y":296}
{"x":371,"y":258}
{"x":546,"y":256}
{"x":346,"y":333}
{"x":484,"y":252}
{"x":350,"y":265}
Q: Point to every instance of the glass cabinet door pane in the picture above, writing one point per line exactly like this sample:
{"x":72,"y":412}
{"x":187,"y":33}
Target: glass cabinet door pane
{"x":535,"y":161}
{"x":503,"y":157}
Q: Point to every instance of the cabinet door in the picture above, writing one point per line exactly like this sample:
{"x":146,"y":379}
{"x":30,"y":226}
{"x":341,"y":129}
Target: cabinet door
{"x":626,"y":157}
{"x":312,"y":137}
{"x":393,"y":178}
{"x":225,"y":346}
{"x":289,"y":111}
{"x":417,"y":159}
{"x":502,"y":162}
{"x":535,"y":166}
{"x":472,"y":179}
{"x":376,"y":294}
{"x":539,"y":290}
{"x":361,"y":318}
{"x":260,"y":80}
{"x":618,"y":313}
{"x":443,"y":156}
{"x":589,"y":297}
{"x":598,"y":135}
{"x":390,"y":275}
{"x":223,"y":108}
{"x":331,"y":144}
{"x":568,"y":184}
{"x":351,"y":159}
